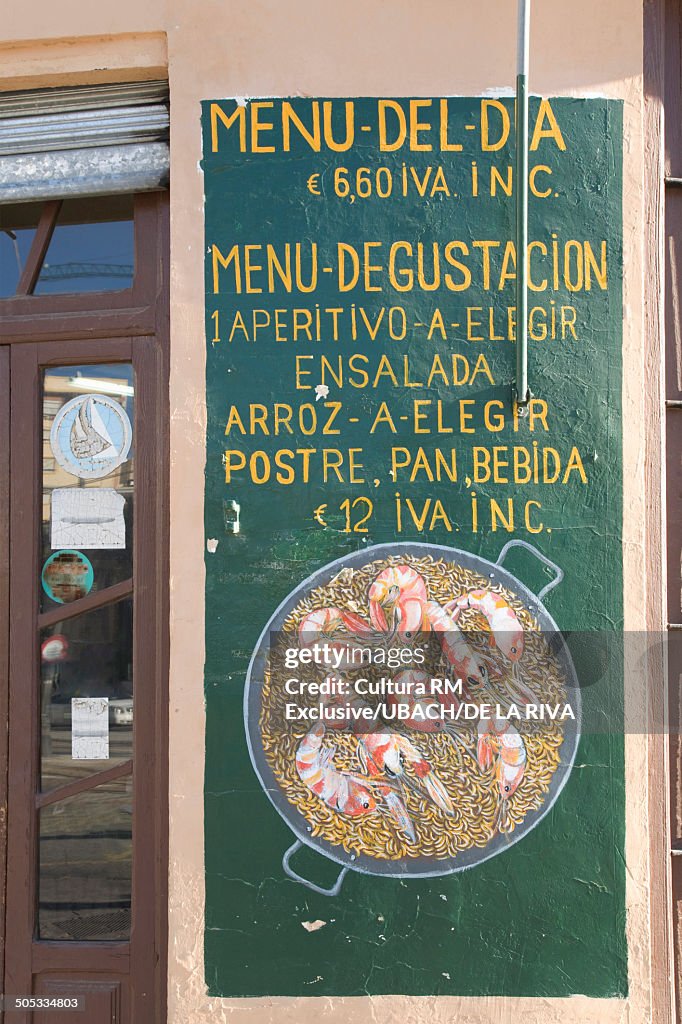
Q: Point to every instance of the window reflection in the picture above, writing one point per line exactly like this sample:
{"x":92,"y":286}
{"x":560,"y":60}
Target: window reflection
{"x":17,"y":228}
{"x":92,"y":247}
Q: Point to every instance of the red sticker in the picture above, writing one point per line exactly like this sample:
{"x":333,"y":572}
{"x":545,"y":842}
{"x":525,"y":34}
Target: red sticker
{"x":55,"y":648}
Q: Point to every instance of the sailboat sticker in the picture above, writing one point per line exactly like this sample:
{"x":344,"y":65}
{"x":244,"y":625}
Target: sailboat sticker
{"x":91,"y":436}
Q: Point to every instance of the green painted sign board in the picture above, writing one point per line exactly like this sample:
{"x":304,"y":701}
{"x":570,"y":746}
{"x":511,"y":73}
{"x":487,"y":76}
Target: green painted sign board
{"x":360,"y":333}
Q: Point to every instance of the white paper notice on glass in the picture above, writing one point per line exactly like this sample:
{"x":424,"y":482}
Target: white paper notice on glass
{"x":87,"y":517}
{"x":90,"y":728}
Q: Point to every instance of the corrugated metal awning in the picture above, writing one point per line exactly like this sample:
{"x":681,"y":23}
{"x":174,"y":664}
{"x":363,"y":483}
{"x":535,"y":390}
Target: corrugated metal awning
{"x":87,"y":140}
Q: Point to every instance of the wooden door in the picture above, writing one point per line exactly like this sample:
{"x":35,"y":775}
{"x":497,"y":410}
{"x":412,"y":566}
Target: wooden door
{"x":85,"y":376}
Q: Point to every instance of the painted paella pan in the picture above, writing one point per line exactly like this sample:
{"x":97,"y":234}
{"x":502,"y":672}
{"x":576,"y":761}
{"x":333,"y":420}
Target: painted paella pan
{"x":439,"y":842}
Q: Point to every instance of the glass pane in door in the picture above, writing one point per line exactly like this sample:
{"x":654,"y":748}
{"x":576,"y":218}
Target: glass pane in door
{"x":86,"y":685}
{"x":88,"y":480}
{"x":86,"y":666}
{"x":86,"y":865}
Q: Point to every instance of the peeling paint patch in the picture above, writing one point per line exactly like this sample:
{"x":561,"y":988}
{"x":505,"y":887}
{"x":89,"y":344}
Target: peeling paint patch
{"x":313,"y":926}
{"x":498,"y":91}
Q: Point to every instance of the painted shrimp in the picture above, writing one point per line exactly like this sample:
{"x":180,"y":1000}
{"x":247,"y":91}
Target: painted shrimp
{"x":337,"y":628}
{"x":383,"y":752}
{"x":396,"y":601}
{"x":501,"y":746}
{"x":421,"y":710}
{"x":506,"y":633}
{"x":343,"y":792}
{"x":470,"y":667}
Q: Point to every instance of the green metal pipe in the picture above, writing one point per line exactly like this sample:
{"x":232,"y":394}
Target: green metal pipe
{"x":522,"y":393}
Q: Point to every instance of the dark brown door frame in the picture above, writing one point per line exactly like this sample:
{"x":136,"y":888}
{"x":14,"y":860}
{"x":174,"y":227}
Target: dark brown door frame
{"x":662,"y":25}
{"x":4,"y":637}
{"x":91,"y":328}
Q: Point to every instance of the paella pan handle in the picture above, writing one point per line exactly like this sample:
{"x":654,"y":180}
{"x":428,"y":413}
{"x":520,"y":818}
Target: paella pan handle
{"x":288,"y":870}
{"x":559,"y":573}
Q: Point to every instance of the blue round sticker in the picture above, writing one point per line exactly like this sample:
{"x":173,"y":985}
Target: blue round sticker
{"x":67,"y":576}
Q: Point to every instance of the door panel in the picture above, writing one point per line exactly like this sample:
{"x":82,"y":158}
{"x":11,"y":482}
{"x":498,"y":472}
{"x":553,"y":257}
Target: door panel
{"x":105,"y":1000}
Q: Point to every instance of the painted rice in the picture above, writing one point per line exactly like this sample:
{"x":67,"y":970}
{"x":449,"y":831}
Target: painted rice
{"x":472,"y":790}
